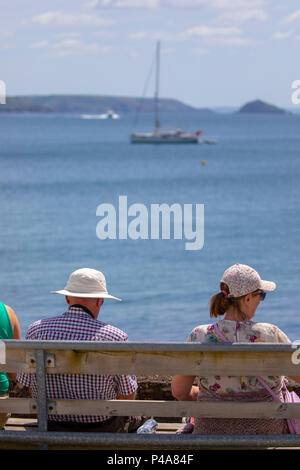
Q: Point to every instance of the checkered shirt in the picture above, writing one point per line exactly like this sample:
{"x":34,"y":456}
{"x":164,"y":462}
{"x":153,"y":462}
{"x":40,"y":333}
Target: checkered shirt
{"x":74,"y":325}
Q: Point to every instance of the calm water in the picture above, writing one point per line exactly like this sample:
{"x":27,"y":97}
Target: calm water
{"x":56,"y":170}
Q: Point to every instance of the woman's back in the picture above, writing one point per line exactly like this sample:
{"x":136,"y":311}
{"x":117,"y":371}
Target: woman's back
{"x":237,"y":332}
{"x":241,"y":292}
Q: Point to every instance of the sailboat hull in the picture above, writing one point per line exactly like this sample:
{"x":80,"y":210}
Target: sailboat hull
{"x":163,"y":139}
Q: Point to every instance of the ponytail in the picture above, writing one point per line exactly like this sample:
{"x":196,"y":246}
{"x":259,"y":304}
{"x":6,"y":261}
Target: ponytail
{"x":219,"y":303}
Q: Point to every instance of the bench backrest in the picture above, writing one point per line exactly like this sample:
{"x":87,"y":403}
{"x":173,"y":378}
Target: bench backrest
{"x":58,"y":357}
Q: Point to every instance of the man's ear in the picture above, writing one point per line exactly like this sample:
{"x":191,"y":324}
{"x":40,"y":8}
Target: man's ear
{"x":67,"y":299}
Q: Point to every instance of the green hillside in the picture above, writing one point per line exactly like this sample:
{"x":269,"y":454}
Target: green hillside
{"x":91,"y":104}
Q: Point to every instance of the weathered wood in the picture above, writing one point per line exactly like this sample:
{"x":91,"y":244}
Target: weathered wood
{"x":156,"y":362}
{"x":160,"y":358}
{"x":158,"y":408}
{"x":172,"y":363}
{"x":176,"y":408}
{"x":18,"y":360}
{"x":17,"y":405}
{"x":147,"y":359}
{"x":169,"y":426}
{"x":21,"y":422}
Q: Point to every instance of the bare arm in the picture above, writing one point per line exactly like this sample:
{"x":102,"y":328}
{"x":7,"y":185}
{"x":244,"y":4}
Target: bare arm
{"x":14,"y":323}
{"x":16,"y":332}
{"x":183,"y":388}
{"x":296,"y":378}
{"x":131,"y":396}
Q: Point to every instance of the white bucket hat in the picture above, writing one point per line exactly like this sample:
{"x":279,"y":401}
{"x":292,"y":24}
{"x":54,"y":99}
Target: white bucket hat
{"x":242,"y":279}
{"x":86,"y":283}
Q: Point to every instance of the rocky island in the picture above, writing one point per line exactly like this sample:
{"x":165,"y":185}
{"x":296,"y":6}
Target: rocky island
{"x":261,"y":107}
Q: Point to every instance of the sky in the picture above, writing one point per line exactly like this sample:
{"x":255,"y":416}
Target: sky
{"x":213,"y":52}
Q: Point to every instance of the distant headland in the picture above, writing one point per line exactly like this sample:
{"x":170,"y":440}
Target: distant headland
{"x":92,"y":104}
{"x":260,"y":107}
{"x":96,"y":104}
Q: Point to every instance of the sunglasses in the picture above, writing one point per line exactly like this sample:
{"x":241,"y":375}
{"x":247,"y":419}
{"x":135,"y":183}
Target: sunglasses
{"x":262,"y":295}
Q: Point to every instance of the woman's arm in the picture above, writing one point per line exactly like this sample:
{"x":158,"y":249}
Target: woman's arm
{"x":17,"y":333}
{"x":14,"y":323}
{"x":296,"y":378}
{"x":183,"y":388}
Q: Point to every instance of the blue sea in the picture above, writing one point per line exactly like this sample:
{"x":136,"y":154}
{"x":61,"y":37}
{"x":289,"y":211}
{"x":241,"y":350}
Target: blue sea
{"x":55,"y":170}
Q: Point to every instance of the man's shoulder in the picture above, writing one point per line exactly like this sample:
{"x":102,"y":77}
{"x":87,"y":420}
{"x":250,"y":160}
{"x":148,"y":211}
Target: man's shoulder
{"x":110,"y":333}
{"x":52,"y":327}
{"x":38,"y":325}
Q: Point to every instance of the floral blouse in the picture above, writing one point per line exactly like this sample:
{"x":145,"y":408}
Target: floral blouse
{"x":233,"y":331}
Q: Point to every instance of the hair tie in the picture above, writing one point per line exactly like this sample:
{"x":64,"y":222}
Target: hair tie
{"x":224,"y":292}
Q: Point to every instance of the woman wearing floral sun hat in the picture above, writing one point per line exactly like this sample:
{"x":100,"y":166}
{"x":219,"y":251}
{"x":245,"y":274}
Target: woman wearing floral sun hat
{"x":241,"y":291}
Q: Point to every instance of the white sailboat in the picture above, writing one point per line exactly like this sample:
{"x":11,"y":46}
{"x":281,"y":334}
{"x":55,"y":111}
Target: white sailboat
{"x":160,"y":136}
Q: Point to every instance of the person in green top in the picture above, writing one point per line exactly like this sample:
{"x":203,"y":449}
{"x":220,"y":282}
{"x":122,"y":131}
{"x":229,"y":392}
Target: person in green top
{"x":9,"y":329}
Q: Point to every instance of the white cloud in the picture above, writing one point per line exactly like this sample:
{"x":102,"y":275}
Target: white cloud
{"x":293,"y":17}
{"x":70,"y":46}
{"x":158,"y":35}
{"x":233,"y":41}
{"x":137,"y":4}
{"x":200,"y":51}
{"x":191,"y":4}
{"x":6,"y":34}
{"x":280,"y":35}
{"x":74,"y":34}
{"x":236,"y":4}
{"x":39,"y":45}
{"x":214,"y":36}
{"x":103,"y":34}
{"x":209,"y":35}
{"x":147,"y":4}
{"x":138,"y":35}
{"x":241,"y":16}
{"x":210,"y":31}
{"x":68,"y":19}
{"x":167,"y":37}
{"x":91,"y":4}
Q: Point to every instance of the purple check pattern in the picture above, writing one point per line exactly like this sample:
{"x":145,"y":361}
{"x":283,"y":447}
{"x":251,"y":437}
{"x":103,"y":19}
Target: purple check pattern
{"x":77,"y":325}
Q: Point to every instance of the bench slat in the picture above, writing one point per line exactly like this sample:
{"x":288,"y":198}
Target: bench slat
{"x":178,"y":409}
{"x":173,"y":363}
{"x":17,"y":405}
{"x":158,"y":408}
{"x":214,"y":362}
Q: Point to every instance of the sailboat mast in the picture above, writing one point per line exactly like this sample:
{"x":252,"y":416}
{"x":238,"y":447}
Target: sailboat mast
{"x":157,"y":123}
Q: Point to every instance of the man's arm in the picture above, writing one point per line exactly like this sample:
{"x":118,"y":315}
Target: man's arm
{"x":131,"y":396}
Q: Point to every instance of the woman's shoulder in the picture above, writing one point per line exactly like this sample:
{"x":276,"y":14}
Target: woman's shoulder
{"x":270,"y":332}
{"x":200,"y":333}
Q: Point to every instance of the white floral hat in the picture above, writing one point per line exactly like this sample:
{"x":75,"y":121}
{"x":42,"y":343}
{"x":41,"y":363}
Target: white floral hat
{"x":242,"y":279}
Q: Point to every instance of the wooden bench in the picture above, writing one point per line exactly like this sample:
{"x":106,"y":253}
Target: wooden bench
{"x":58,"y":357}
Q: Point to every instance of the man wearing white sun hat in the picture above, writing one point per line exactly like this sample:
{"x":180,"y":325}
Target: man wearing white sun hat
{"x":84,"y":293}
